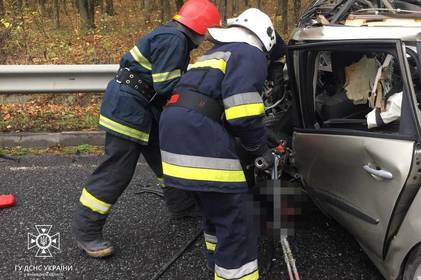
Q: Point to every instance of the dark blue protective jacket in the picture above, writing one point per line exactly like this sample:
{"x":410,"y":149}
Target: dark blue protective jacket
{"x":199,"y":153}
{"x":159,"y":58}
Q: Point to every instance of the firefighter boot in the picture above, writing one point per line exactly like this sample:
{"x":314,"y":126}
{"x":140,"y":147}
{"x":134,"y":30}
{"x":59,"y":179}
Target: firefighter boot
{"x":96,"y":248}
{"x":87,"y":231}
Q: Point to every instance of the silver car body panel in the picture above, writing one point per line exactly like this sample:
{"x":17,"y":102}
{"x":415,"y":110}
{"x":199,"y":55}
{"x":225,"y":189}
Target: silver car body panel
{"x":329,"y":33}
{"x":406,"y":239}
{"x":408,"y":234}
{"x":342,"y":188}
{"x":332,"y":166}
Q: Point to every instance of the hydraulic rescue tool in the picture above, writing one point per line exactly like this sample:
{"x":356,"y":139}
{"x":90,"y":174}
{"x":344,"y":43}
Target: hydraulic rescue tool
{"x":276,"y":160}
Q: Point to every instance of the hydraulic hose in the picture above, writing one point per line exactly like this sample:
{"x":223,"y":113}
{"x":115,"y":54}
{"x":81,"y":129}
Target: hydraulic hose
{"x":178,"y":254}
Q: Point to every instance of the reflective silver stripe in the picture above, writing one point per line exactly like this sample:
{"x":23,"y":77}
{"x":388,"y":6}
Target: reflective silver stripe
{"x":242,"y":99}
{"x":210,"y":238}
{"x":216,"y":55}
{"x":237,"y":272}
{"x":201,"y":162}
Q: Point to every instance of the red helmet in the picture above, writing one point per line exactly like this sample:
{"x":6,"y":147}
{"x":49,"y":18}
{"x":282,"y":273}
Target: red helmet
{"x":199,"y":15}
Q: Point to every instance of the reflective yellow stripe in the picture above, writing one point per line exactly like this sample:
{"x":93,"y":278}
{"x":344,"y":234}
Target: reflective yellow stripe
{"x":242,"y":111}
{"x":138,"y":56}
{"x":94,"y":203}
{"x":219,"y":64}
{"x":210,"y":246}
{"x":122,"y":129}
{"x":163,"y":77}
{"x":252,"y":276}
{"x":203,"y":174}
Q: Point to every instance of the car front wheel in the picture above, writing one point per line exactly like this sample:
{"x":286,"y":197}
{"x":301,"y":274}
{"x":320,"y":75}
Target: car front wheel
{"x":413,"y":265}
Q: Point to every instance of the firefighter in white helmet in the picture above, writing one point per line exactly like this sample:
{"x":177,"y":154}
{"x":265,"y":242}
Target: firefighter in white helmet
{"x":216,"y":101}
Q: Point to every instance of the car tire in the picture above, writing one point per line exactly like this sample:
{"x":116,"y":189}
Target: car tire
{"x":413,"y":265}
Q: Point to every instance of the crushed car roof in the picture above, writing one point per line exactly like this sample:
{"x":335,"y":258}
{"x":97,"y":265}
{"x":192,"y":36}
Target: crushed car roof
{"x":355,"y":33}
{"x":360,"y":19}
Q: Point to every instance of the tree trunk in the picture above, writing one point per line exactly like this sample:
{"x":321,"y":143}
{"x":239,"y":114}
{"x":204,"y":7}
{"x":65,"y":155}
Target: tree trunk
{"x":165,"y":10}
{"x":87,"y":14}
{"x":235,"y":7}
{"x":147,"y":10}
{"x":297,"y":9}
{"x":56,"y":14}
{"x":259,"y":4}
{"x":109,"y":7}
{"x":223,"y":9}
{"x":17,"y":7}
{"x":92,"y":13}
{"x":285,"y":15}
{"x":101,"y":5}
{"x":42,"y":8}
{"x":2,"y":10}
{"x":64,"y":7}
{"x":178,"y":4}
{"x":282,"y":16}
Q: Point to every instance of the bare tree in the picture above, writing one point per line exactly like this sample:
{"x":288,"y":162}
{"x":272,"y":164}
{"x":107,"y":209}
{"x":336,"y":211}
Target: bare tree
{"x":109,"y":7}
{"x":297,"y":9}
{"x":165,"y":10}
{"x":147,"y":10}
{"x":87,"y":14}
{"x":56,"y":14}
{"x":178,"y":4}
{"x":235,"y":7}
{"x":16,"y":6}
{"x":223,"y":9}
{"x":282,"y":15}
{"x":42,"y":7}
{"x":2,"y":10}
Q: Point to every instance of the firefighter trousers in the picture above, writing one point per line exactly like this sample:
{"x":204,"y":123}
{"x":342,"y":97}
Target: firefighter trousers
{"x":111,"y":178}
{"x":230,"y":232}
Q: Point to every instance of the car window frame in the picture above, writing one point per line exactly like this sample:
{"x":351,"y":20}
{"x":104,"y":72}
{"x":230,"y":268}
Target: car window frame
{"x":399,"y":49}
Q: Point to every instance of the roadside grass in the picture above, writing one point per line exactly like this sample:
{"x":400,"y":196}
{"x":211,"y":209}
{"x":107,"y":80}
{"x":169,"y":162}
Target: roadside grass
{"x":83,"y":149}
{"x":41,"y":116}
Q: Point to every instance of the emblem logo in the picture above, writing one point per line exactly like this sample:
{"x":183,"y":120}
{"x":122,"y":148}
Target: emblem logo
{"x":43,"y":241}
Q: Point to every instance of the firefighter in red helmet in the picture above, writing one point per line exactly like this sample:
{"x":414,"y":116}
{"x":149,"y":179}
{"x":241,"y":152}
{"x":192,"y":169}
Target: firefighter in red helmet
{"x":130,"y":115}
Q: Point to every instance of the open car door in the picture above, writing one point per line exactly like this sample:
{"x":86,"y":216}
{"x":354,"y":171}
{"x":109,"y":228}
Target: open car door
{"x":364,"y":178}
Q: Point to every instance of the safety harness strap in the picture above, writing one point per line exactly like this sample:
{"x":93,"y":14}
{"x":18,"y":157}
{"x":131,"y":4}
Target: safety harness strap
{"x":198,"y":102}
{"x":127,"y":77}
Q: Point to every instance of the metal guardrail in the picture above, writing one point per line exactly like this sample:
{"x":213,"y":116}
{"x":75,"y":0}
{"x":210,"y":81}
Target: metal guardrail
{"x":55,"y":78}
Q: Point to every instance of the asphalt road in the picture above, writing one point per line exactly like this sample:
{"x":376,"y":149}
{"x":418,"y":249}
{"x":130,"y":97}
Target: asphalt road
{"x":48,"y":187}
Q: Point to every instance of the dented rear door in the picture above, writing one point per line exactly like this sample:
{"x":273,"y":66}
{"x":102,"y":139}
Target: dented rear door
{"x":355,"y":176}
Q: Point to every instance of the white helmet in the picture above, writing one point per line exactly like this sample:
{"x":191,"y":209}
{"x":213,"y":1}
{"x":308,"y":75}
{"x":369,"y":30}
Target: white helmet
{"x":256,"y":22}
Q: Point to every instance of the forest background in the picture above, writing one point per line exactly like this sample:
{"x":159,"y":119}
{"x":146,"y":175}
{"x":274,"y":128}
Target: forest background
{"x":90,"y":32}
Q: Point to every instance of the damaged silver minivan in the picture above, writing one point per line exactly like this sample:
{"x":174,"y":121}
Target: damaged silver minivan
{"x":354,"y":70}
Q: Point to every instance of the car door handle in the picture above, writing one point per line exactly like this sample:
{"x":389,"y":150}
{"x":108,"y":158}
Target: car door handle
{"x":378,"y":173}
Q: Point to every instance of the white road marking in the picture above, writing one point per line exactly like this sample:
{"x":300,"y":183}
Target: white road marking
{"x":40,"y":168}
